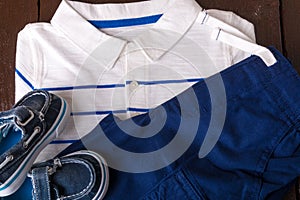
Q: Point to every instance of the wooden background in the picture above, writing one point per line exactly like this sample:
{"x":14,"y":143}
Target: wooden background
{"x":276,"y":23}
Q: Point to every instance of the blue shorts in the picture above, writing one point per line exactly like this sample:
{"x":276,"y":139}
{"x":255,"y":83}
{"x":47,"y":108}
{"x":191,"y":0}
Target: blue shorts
{"x":256,"y":154}
{"x":249,"y":150}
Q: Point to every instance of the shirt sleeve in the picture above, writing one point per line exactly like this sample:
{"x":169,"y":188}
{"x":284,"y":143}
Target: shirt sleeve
{"x":235,"y":21}
{"x":247,"y":28}
{"x":25,"y":67}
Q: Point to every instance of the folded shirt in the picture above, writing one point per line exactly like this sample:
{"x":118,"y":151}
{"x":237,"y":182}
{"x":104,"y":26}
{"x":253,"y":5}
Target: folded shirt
{"x":123,"y":58}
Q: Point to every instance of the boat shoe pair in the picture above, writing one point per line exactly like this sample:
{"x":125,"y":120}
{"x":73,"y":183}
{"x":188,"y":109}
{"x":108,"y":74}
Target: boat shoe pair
{"x":38,"y":118}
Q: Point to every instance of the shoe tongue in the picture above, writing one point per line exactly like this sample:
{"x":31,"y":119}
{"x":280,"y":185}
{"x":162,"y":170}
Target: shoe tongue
{"x":8,"y":119}
{"x":10,"y":135}
{"x":5,"y":129}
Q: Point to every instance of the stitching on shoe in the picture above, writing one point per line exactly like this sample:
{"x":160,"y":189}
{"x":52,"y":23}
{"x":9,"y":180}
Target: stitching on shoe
{"x":36,"y":186}
{"x":91,"y":182}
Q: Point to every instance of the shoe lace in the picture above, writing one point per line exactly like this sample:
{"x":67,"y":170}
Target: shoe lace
{"x":8,"y":125}
{"x":7,"y":160}
{"x":35,"y":132}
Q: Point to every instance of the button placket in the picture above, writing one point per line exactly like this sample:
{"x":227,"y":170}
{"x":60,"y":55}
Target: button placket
{"x":133,"y":85}
{"x":137,"y":74}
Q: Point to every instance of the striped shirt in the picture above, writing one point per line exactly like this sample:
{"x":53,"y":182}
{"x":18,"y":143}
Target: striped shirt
{"x":122,"y":58}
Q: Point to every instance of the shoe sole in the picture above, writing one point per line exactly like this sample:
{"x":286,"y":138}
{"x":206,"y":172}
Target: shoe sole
{"x":104,"y":171}
{"x":18,"y":177}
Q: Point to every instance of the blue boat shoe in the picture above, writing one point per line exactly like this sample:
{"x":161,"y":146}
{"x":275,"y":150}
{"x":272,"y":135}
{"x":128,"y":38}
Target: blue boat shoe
{"x":82,"y":175}
{"x":39,"y":116}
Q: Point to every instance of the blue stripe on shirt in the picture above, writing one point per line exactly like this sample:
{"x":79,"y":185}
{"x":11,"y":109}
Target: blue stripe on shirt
{"x":84,"y":87}
{"x":125,"y":22}
{"x":24,"y":79}
{"x":85,"y":113}
{"x":166,"y":81}
{"x":119,"y":85}
{"x":64,"y":141}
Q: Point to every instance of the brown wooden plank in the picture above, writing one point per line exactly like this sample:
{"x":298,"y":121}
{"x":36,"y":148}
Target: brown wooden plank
{"x":290,"y":13}
{"x":265,"y":15}
{"x":291,"y":194}
{"x":297,"y":190}
{"x":291,"y":30}
{"x":14,"y":15}
{"x":47,"y":9}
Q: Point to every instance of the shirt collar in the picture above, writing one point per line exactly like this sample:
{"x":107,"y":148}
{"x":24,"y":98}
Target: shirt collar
{"x":178,"y":16}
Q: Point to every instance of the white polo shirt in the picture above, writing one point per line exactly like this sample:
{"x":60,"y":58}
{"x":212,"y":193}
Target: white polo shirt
{"x":122,"y":58}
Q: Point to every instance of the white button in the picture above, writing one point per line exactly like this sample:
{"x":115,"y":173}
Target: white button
{"x":134,"y":84}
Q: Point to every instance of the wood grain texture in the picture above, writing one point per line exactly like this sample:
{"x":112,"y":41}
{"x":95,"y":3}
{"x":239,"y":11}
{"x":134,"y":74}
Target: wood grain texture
{"x":298,"y":189}
{"x":13,"y":16}
{"x":290,"y":16}
{"x":47,"y":9}
{"x":265,"y":15}
{"x":292,"y":194}
{"x":274,"y":22}
{"x":290,"y":11}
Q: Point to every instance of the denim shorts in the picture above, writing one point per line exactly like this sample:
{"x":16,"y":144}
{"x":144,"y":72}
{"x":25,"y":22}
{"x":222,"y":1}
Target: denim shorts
{"x":255,"y":154}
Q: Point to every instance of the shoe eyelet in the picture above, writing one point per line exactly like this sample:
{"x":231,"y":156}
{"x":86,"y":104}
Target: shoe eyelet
{"x":10,"y":157}
{"x":25,"y":145}
{"x":37,"y":128}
